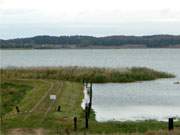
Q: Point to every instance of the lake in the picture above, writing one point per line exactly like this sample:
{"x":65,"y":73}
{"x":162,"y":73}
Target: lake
{"x":158,"y":99}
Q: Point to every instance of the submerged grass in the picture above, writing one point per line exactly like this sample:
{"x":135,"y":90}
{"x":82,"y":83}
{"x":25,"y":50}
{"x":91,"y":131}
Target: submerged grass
{"x":91,"y":74}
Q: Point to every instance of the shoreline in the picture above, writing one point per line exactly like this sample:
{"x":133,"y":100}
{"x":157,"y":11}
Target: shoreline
{"x":70,"y":103}
{"x":93,"y":48}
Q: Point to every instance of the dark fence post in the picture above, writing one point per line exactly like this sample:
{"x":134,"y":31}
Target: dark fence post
{"x":75,"y":123}
{"x":90,"y":96}
{"x":86,"y":116}
{"x":59,"y":108}
{"x":17,"y":109}
{"x":171,"y":124}
{"x":89,"y":110}
{"x":86,"y":84}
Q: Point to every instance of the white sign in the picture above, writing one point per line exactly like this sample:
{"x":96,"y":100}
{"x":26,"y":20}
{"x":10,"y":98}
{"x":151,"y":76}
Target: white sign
{"x":52,"y":97}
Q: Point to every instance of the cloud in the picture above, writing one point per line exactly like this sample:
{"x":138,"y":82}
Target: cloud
{"x":92,"y":11}
{"x":49,"y":15}
{"x":2,"y":2}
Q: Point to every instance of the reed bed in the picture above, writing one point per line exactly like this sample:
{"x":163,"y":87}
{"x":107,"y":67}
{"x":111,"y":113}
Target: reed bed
{"x":90,"y":74}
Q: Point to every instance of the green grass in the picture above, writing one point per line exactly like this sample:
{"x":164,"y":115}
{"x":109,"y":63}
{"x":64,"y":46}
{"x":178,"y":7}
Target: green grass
{"x":11,"y":95}
{"x":36,"y":112}
{"x":78,"y":74}
{"x":129,"y":127}
{"x":31,"y":93}
{"x":69,"y":96}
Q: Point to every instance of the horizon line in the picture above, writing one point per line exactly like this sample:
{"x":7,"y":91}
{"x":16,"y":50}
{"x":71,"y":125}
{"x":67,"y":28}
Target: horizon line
{"x":71,"y":35}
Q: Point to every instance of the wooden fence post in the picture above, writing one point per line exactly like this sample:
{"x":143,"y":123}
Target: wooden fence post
{"x":86,"y":84}
{"x":171,"y":124}
{"x":89,"y":110}
{"x":90,"y":95}
{"x":17,"y":109}
{"x":59,"y":108}
{"x":75,"y":123}
{"x":86,"y":116}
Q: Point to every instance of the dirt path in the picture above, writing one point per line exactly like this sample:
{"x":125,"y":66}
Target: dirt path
{"x":22,"y":131}
{"x":59,"y":92}
{"x":41,"y":99}
{"x":43,"y":113}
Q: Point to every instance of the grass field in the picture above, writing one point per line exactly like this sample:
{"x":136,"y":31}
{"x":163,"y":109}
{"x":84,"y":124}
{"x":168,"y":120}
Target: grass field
{"x":38,"y":115}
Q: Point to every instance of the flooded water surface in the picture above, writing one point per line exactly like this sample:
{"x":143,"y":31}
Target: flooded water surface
{"x":158,"y":99}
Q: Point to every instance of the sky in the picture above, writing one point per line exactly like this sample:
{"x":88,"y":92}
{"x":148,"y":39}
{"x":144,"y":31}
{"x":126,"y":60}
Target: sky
{"x":26,"y":18}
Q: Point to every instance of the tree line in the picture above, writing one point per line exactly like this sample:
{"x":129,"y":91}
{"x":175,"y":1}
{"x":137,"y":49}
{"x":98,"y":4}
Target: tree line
{"x":154,"y":41}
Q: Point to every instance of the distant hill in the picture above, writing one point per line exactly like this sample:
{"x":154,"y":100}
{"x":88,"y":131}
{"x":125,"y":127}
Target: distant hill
{"x":38,"y":42}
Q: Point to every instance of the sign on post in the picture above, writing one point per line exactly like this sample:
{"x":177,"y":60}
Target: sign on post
{"x":53,"y":97}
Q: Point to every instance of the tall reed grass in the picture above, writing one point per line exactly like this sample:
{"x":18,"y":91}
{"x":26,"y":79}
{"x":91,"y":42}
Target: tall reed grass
{"x":91,"y":74}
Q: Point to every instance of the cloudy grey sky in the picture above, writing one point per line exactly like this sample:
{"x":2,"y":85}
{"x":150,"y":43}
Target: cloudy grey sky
{"x":23,"y":18}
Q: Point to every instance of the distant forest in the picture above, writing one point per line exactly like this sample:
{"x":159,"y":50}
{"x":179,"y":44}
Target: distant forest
{"x":40,"y":42}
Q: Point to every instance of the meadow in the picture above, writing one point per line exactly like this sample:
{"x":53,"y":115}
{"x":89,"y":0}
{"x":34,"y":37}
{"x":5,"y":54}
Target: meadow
{"x":29,"y":89}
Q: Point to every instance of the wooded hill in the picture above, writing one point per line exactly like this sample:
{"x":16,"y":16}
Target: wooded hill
{"x":154,"y":41}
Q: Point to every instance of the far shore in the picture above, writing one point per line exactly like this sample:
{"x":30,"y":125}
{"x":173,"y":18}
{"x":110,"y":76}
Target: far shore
{"x":94,"y":47}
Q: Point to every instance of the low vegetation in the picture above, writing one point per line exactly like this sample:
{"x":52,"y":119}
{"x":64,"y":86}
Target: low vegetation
{"x":29,"y":89}
{"x":11,"y":94}
{"x":37,"y":110}
{"x":91,"y":74}
{"x":39,"y":114}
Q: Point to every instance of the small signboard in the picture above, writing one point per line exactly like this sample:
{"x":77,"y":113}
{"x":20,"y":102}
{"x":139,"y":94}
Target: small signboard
{"x":53,"y":97}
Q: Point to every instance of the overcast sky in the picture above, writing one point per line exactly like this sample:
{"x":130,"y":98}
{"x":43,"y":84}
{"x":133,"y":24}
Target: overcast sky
{"x":24,"y":18}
